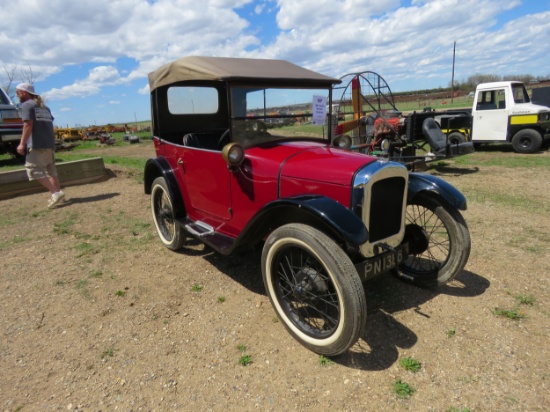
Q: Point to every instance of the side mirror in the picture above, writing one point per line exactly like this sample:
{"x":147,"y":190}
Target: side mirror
{"x":233,"y":154}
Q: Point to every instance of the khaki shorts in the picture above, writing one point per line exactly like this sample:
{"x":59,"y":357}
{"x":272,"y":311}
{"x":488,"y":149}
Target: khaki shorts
{"x":40,"y":163}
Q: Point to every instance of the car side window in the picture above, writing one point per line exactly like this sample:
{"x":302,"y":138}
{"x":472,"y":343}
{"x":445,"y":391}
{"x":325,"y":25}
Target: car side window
{"x":192,"y":100}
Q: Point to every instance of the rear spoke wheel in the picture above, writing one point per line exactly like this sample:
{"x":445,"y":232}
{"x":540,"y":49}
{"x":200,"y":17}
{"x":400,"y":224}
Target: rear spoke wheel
{"x":170,"y":233}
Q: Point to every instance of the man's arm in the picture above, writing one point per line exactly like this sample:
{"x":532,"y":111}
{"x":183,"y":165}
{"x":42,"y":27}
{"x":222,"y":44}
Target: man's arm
{"x":25,"y":136}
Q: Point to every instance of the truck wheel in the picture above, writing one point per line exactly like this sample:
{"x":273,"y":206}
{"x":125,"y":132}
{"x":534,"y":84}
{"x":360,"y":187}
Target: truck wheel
{"x":314,"y":288}
{"x":527,"y":141}
{"x":171,"y":234}
{"x":456,"y":138}
{"x":439,"y":242}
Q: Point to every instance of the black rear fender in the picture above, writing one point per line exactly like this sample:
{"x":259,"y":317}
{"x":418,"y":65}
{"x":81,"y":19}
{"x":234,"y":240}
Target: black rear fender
{"x":159,"y":167}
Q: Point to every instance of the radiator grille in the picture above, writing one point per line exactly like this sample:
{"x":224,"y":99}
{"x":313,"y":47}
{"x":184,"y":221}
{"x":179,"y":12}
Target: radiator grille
{"x":386,"y":208}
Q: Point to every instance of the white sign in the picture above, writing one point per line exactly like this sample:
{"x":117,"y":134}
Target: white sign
{"x":319,"y":110}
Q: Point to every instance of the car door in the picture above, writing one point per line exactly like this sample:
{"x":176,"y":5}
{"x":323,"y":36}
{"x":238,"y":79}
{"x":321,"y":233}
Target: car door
{"x":207,"y":180}
{"x":490,"y":119}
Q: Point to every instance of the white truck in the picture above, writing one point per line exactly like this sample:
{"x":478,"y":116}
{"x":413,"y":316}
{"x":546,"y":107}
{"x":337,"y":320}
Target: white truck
{"x":501,"y":112}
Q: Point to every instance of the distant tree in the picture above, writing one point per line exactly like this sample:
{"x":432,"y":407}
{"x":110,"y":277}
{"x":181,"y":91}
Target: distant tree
{"x":525,"y":78}
{"x":27,"y":75}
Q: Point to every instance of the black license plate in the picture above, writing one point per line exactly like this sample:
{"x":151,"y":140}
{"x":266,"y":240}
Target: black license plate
{"x":383,"y":262}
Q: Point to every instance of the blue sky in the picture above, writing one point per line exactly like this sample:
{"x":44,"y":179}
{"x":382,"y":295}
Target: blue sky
{"x":90,"y":59}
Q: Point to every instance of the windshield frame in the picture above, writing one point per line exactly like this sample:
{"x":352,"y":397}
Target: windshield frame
{"x":257,"y":118}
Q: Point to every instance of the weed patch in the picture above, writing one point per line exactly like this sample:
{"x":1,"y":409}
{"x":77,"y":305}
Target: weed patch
{"x":64,"y":227}
{"x":410,"y":364}
{"x":402,"y":389}
{"x":245,"y":359}
{"x":523,"y":299}
{"x":13,"y":241}
{"x":324,"y":361}
{"x":82,"y":287}
{"x":513,"y":314}
{"x":86,"y":249}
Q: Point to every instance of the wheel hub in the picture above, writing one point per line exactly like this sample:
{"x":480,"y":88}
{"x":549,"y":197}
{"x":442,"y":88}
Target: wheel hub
{"x":308,"y":282}
{"x":418,"y":239}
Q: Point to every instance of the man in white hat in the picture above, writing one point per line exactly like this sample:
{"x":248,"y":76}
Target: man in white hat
{"x":38,"y":142}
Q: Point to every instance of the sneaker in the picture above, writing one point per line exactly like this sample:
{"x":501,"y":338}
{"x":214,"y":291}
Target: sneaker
{"x":56,"y":198}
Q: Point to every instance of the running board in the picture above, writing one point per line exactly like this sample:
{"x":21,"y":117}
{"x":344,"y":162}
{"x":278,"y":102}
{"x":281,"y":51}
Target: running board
{"x":207,"y":234}
{"x":199,"y":229}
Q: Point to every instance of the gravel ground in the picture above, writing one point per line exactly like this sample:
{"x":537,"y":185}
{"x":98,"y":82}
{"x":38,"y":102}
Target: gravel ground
{"x":96,"y":315}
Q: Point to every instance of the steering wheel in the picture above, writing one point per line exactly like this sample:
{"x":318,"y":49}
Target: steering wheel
{"x":255,"y":126}
{"x":224,"y":136}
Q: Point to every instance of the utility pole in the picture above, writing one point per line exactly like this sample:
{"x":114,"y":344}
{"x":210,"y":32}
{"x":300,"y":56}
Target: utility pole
{"x":453,"y":75}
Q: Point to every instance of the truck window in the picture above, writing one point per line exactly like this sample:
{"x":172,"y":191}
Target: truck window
{"x":520,"y":93}
{"x":491,"y":100}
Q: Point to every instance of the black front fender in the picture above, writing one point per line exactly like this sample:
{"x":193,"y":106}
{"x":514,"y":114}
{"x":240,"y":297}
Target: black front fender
{"x":321,"y":212}
{"x":420,"y":182}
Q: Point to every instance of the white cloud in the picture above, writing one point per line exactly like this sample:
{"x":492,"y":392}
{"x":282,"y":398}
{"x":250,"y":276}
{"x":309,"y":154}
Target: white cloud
{"x":335,"y":37}
{"x":145,"y":90}
{"x":98,"y":77}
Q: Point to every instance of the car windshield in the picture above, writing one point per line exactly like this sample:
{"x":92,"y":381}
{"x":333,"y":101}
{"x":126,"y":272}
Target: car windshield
{"x":265,"y":114}
{"x":4,"y":98}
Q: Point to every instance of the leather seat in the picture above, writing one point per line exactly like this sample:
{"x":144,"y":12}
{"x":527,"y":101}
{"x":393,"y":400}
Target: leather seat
{"x":438,"y":140}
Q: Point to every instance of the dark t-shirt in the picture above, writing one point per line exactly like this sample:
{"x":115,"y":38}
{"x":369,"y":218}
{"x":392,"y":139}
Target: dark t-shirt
{"x":42,"y":136}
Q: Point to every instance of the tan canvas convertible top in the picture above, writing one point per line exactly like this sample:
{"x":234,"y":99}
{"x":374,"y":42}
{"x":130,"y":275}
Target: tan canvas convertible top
{"x":229,"y":68}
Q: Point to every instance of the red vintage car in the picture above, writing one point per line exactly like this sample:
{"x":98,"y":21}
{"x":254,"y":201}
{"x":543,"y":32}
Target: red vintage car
{"x":246,"y":156}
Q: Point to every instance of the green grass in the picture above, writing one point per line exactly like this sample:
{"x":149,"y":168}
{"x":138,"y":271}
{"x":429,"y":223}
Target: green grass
{"x":95,"y":274}
{"x":129,"y":162}
{"x":6,"y":221}
{"x":245,"y":360}
{"x":86,"y":249}
{"x":451,"y":332}
{"x":7,"y":243}
{"x":504,"y":158}
{"x":108,"y":353}
{"x":402,"y":389}
{"x":525,"y":299}
{"x":196,"y":287}
{"x":7,"y":163}
{"x":513,"y":314}
{"x":522,"y":299}
{"x":410,"y":364}
{"x":82,"y":287}
{"x":64,"y":227}
{"x":506,"y":199}
{"x":324,"y":361}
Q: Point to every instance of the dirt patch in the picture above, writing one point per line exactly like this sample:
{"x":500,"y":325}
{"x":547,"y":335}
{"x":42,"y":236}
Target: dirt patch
{"x":97,"y":315}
